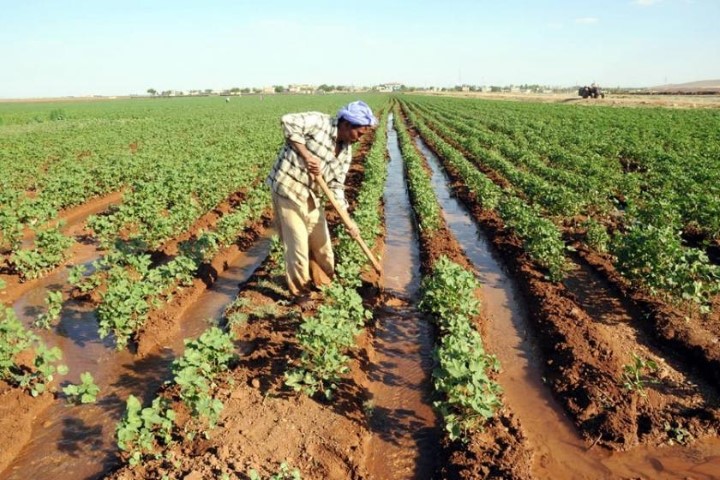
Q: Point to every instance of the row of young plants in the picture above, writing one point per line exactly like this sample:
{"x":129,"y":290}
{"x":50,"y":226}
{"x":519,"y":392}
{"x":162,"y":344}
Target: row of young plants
{"x":130,"y":285}
{"x":541,"y":238}
{"x":470,"y":397}
{"x":519,"y":168}
{"x":656,"y":153}
{"x":145,"y":431}
{"x":647,"y":245}
{"x":326,"y":337}
{"x":15,"y":341}
{"x":420,"y":188}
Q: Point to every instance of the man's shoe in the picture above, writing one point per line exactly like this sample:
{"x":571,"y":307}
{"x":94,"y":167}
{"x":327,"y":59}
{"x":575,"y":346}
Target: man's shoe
{"x":305,"y":301}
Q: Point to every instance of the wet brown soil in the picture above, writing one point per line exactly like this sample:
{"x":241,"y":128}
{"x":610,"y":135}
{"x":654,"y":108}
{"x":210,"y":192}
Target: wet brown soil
{"x":405,"y":429}
{"x":78,"y":441}
{"x":165,"y":322}
{"x":501,"y":449}
{"x":696,"y":338}
{"x":74,"y":219}
{"x":583,"y":361}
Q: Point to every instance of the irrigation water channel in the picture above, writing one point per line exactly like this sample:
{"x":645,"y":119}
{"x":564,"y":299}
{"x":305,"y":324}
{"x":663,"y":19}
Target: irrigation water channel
{"x":78,"y":442}
{"x":558,"y":450}
{"x":405,"y":429}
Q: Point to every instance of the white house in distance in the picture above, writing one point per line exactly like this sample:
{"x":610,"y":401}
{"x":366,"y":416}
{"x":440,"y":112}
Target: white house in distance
{"x":301,"y":88}
{"x":388,"y":87}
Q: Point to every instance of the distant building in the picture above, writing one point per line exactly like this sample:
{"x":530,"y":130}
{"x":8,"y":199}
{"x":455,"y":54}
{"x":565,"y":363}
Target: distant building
{"x":389,"y":87}
{"x":302,"y":88}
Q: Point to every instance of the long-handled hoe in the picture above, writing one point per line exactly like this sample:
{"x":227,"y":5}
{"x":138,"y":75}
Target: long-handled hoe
{"x":347,"y":222}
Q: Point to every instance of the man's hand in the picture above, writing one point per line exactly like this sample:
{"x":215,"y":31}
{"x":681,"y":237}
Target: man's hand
{"x":311,"y":161}
{"x":313,"y":164}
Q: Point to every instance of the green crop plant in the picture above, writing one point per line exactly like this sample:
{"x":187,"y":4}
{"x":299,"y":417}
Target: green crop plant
{"x":677,"y":433}
{"x":636,"y":375}
{"x":85,"y":284}
{"x":267,"y":310}
{"x":471,"y":397}
{"x":236,"y":319}
{"x":54,"y":301}
{"x":14,"y":339}
{"x":277,"y":257}
{"x":596,"y":235}
{"x":143,"y":430}
{"x":84,"y":392}
{"x":194,"y":372}
{"x":50,"y":251}
{"x":285,"y":472}
{"x":46,"y":366}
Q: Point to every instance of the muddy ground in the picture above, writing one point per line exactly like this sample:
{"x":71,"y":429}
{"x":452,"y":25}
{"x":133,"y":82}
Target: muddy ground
{"x":588,"y":337}
{"x":162,"y":325}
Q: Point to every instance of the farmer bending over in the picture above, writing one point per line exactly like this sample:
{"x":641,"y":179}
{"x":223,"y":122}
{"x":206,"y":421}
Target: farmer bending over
{"x":315,"y":143}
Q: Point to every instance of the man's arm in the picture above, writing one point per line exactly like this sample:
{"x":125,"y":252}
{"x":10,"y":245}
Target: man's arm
{"x":311,"y":161}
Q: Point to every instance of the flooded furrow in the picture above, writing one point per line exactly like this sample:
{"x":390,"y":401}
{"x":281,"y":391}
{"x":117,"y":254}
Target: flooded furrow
{"x":79,"y":441}
{"x":560,"y":453}
{"x":405,"y":441}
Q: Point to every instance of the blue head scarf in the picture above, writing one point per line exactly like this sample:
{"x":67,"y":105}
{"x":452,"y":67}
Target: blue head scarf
{"x":358,"y":114}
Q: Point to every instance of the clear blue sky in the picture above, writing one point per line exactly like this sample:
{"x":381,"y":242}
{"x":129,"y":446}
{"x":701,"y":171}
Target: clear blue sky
{"x":57,"y":48}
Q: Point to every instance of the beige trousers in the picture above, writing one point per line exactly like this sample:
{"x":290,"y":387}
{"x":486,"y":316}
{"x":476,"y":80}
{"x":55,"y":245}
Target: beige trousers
{"x":306,"y":240}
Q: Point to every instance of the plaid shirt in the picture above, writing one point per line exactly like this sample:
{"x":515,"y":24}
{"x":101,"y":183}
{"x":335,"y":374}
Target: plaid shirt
{"x":289,"y":176}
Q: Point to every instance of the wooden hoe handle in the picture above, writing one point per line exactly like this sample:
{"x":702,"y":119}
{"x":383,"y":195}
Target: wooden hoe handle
{"x":346,"y":220}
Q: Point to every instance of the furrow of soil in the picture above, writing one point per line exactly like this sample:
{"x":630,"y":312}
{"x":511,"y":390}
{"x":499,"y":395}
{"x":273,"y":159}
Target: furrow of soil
{"x":695,"y":339}
{"x":500,"y":449}
{"x":404,"y":427}
{"x":77,"y":330}
{"x":696,"y":336}
{"x":80,"y":252}
{"x":163,"y":323}
{"x":583,"y":358}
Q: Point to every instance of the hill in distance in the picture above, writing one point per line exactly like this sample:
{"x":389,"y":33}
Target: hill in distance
{"x":702,"y":86}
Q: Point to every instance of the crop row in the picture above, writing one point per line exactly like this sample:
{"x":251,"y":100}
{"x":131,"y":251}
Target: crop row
{"x":647,"y":244}
{"x":463,"y":375}
{"x":541,"y":238}
{"x":640,"y":153}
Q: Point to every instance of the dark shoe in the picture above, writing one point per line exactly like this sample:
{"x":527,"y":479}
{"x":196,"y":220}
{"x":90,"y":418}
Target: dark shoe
{"x":306,"y":301}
